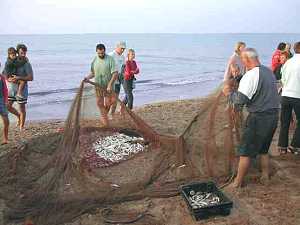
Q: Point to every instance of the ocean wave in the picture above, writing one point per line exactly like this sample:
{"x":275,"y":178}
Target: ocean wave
{"x":185,"y":82}
{"x":56,"y":91}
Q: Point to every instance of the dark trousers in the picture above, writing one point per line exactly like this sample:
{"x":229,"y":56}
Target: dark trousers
{"x":128,"y":87}
{"x":288,"y":105}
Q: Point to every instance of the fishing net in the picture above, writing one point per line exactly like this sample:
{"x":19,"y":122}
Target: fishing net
{"x":92,"y":166}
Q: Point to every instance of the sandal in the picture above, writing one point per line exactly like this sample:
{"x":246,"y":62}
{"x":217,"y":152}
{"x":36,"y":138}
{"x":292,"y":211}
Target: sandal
{"x":282,"y":151}
{"x":293,"y":150}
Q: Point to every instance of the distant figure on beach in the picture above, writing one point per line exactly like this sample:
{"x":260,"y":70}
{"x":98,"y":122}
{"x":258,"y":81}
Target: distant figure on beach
{"x":235,"y":68}
{"x":276,"y":56}
{"x":3,"y":108}
{"x":258,"y":91}
{"x":290,"y":102}
{"x":131,"y":69}
{"x":105,"y":72}
{"x":23,"y":74}
{"x":288,"y":48}
{"x":119,"y":58}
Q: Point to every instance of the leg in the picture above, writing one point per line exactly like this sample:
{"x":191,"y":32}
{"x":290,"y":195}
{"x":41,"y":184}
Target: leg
{"x":243,"y":167}
{"x":117,"y":91}
{"x":5,"y":128}
{"x":12,"y":110}
{"x":102,"y":109}
{"x":22,"y":115}
{"x":264,"y":161}
{"x":296,"y":139}
{"x":130,"y":95}
{"x":21,"y":87}
{"x":285,"y":120}
{"x":126,"y":90}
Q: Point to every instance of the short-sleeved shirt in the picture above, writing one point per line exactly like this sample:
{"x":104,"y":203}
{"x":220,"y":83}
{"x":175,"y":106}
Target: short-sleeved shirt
{"x":258,"y":85}
{"x":119,"y":60}
{"x":120,"y":63}
{"x":103,"y":70}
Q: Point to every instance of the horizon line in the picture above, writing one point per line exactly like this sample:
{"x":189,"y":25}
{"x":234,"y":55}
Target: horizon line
{"x":91,"y":33}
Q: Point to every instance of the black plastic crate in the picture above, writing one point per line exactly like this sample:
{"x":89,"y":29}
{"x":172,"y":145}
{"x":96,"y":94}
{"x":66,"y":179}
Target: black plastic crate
{"x":223,"y":208}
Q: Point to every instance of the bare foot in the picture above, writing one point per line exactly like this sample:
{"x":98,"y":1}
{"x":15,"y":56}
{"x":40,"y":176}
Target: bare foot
{"x":18,"y":122}
{"x":4,"y":143}
{"x":265,"y":179}
{"x":104,"y":121}
{"x":233,"y":188}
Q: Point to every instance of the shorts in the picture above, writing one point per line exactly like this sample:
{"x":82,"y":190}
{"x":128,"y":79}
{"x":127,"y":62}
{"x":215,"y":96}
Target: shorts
{"x":117,"y":88}
{"x":12,"y":93}
{"x":3,"y":108}
{"x":258,"y":133}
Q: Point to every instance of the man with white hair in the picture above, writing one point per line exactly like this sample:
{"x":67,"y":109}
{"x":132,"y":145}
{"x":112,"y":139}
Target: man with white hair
{"x":258,"y":91}
{"x":119,"y":58}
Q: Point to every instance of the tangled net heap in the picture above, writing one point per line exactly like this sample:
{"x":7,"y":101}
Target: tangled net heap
{"x":70,"y":185}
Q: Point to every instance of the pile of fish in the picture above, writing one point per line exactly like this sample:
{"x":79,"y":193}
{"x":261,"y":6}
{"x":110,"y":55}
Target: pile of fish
{"x":118,"y":147}
{"x":203,"y":199}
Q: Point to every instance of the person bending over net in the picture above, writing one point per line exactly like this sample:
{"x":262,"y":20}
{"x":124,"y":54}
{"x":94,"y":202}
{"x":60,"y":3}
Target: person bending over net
{"x":105,"y":72}
{"x":258,"y":91}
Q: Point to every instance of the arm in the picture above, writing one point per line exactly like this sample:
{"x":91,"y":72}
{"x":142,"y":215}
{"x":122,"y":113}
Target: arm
{"x":114,"y":77}
{"x":137,"y":70}
{"x":247,"y":89}
{"x":5,"y":89}
{"x":112,"y":81}
{"x":283,"y":75}
{"x":238,"y":99}
{"x":91,"y":74}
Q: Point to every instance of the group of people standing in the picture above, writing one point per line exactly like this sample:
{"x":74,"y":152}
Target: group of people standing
{"x":249,"y":83}
{"x":111,"y":72}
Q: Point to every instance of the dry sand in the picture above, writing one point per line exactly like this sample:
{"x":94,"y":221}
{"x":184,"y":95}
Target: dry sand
{"x":275,"y":203}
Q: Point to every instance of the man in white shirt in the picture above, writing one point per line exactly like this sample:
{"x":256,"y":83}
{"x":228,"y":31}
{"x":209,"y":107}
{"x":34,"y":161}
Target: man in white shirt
{"x":290,"y":102}
{"x":258,"y":92}
{"x":119,"y":58}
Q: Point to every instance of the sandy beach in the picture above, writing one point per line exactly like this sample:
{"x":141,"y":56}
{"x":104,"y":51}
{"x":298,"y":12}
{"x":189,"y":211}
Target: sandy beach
{"x":275,"y":203}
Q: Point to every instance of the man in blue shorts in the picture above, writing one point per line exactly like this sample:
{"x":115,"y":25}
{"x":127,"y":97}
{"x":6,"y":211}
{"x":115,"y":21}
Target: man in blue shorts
{"x":23,"y":73}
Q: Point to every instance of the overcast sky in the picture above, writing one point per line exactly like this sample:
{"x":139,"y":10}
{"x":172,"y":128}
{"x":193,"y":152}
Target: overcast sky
{"x":149,"y":16}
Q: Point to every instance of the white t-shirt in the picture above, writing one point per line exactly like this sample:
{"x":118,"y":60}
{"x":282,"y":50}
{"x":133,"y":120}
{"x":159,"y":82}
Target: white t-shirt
{"x":249,"y":83}
{"x":291,"y":77}
{"x":119,"y":59}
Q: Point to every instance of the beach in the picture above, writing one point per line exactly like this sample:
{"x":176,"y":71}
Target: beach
{"x":275,"y":203}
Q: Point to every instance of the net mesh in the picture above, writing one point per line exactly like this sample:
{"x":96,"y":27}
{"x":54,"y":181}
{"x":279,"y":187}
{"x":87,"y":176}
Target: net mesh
{"x":62,"y":180}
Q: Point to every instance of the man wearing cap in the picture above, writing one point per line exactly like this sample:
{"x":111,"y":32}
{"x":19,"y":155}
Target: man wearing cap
{"x":119,"y":58}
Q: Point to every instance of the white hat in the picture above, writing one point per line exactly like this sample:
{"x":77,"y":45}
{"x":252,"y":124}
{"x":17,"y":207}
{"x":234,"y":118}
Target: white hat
{"x":121,"y":44}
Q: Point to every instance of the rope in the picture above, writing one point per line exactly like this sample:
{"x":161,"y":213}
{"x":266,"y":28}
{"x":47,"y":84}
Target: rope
{"x":108,"y":211}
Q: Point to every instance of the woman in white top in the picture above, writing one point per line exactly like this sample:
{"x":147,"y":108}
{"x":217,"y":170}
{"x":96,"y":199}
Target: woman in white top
{"x":290,"y":102}
{"x":235,"y":67}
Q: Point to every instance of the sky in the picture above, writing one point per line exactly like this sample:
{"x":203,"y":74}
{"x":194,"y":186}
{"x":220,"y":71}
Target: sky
{"x":149,"y":16}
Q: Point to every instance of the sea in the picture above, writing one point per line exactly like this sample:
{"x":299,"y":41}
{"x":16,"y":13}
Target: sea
{"x":173,"y":66}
